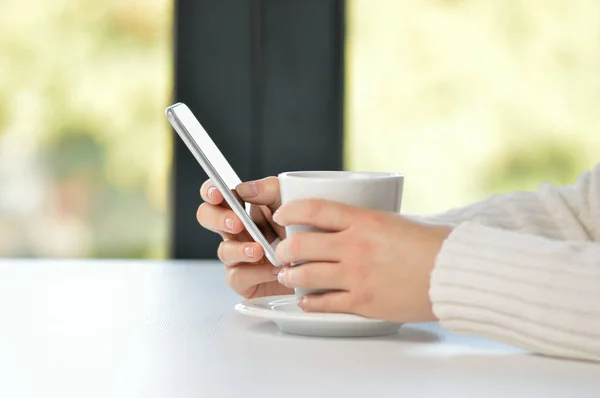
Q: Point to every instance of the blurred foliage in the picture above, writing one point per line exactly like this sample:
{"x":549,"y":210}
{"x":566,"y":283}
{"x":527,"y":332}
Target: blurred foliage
{"x":75,"y":152}
{"x":3,"y":111}
{"x":524,"y":167}
{"x":83,"y":87}
{"x":469,"y":97}
{"x":465,"y":97}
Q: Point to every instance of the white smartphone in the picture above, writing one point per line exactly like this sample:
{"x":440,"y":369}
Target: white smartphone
{"x":218,"y":169}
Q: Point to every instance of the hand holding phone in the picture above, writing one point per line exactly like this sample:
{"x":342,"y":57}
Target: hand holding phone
{"x":218,"y":169}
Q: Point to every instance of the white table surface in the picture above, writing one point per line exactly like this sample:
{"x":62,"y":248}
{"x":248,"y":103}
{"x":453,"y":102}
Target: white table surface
{"x":168,"y":329}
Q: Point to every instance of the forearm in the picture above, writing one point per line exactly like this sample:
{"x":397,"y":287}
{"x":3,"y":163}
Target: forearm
{"x":533,"y":292}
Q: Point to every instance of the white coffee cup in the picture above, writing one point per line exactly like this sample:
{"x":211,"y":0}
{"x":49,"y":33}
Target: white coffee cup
{"x":372,"y":190}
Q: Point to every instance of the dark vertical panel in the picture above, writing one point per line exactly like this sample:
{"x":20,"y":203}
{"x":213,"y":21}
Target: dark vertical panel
{"x":303,"y":92}
{"x":265,"y":79}
{"x":259,"y":81}
{"x":213,"y":77}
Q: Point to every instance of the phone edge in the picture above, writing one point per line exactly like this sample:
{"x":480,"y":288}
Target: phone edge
{"x":171,"y":115}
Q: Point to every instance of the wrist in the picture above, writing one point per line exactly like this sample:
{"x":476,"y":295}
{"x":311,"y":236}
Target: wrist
{"x":439,"y":234}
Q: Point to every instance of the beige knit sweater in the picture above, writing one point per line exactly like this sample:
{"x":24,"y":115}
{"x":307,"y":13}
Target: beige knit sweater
{"x":524,"y":269}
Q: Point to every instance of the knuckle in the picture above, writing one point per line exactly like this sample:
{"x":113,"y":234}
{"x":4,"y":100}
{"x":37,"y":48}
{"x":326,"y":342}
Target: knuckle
{"x":271,"y":190}
{"x":259,"y":186}
{"x":315,"y":209}
{"x":270,"y":183}
{"x":362,"y":299}
{"x":365,"y":248}
{"x":362,"y":250}
{"x":271,"y":180}
{"x":364,"y":270}
{"x":375,"y":219}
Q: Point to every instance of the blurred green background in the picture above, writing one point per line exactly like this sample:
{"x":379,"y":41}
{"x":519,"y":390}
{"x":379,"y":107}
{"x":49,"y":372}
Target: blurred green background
{"x":465,"y":97}
{"x":84,"y":147}
{"x":473,"y":97}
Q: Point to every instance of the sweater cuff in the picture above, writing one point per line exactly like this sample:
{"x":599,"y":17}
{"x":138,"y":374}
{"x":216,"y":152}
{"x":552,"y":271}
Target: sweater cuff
{"x":519,"y":289}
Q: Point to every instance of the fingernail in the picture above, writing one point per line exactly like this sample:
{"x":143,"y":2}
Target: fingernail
{"x":281,"y":277}
{"x":301,"y":301}
{"x":276,"y":216}
{"x":247,"y":189}
{"x":249,"y":250}
{"x":276,"y":271}
{"x":211,"y":192}
{"x":229,"y":223}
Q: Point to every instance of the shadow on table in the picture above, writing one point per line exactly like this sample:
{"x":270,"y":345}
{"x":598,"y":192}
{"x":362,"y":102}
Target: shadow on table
{"x":406,"y":334}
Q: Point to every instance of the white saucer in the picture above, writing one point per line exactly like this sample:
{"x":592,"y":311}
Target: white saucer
{"x":289,"y":318}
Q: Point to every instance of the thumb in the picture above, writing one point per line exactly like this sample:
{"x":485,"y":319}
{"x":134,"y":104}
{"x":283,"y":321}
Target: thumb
{"x":261,"y":192}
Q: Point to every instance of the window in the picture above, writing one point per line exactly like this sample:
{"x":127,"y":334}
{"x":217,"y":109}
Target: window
{"x":469,"y":97}
{"x":465,"y":97}
{"x":265,"y":78}
{"x":84,"y":147}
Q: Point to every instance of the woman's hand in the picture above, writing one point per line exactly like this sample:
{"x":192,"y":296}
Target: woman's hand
{"x":249,"y":273}
{"x":379,"y":263}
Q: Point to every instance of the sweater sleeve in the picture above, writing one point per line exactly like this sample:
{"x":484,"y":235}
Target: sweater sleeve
{"x":524,"y":269}
{"x":563,"y":213}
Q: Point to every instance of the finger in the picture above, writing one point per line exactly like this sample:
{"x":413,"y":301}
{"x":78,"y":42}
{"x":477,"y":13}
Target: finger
{"x":210,"y":194}
{"x":219,"y":219}
{"x":310,"y":246}
{"x":244,"y":277}
{"x":261,"y":192}
{"x":231,"y":252}
{"x":257,"y":213}
{"x":316,"y":275}
{"x":337,"y":302}
{"x":278,"y":230}
{"x":323,"y":214}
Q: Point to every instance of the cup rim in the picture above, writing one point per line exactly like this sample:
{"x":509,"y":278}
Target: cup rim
{"x":315,"y":174}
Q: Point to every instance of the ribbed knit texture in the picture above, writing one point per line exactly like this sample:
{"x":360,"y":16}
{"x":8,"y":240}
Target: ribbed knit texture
{"x":524,"y":269}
